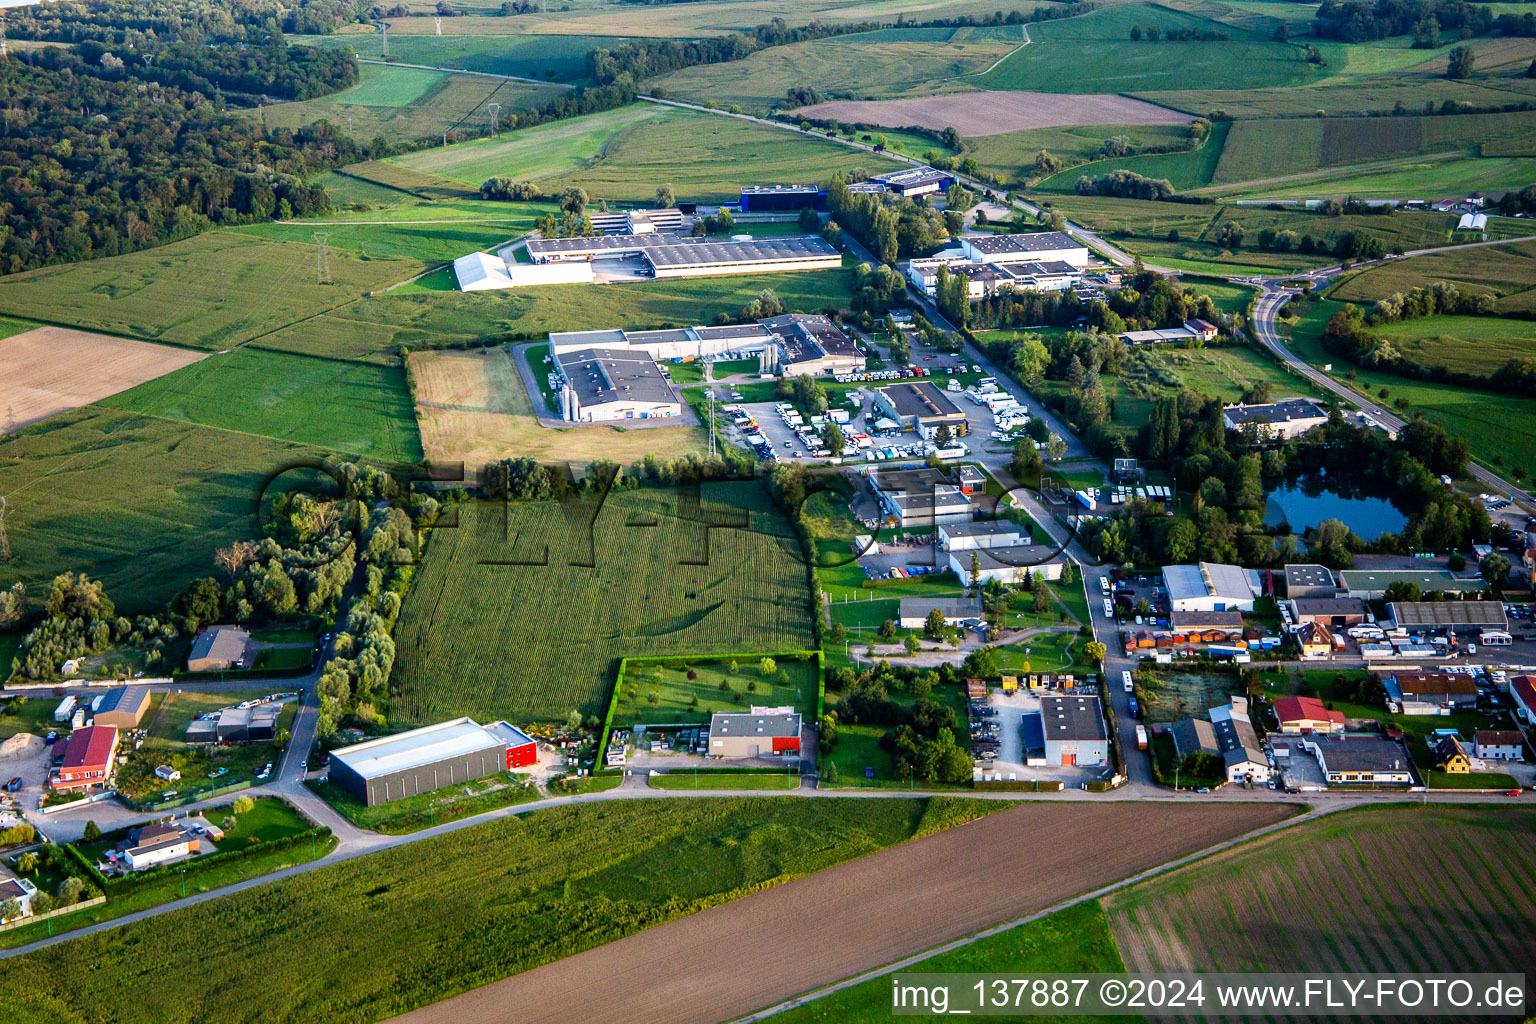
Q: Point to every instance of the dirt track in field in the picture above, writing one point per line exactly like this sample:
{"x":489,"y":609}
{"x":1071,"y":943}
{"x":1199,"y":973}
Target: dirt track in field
{"x":759,"y":950}
{"x":998,"y":113}
{"x":54,"y":369}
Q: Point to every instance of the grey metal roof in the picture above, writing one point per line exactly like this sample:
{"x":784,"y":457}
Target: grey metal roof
{"x":1039,"y":241}
{"x":1196,"y":620}
{"x":809,"y":336}
{"x":601,"y":375}
{"x":1287,"y":411}
{"x":983,"y":528}
{"x":1298,"y":575}
{"x":124,"y":698}
{"x":373,"y":758}
{"x":604,"y":243}
{"x":1362,"y":755}
{"x":700,"y":252}
{"x":1019,"y":556}
{"x":1448,"y":613}
{"x":1194,"y":734}
{"x":1072,"y":718}
{"x":918,"y":398}
{"x":733,"y":332}
{"x":748,"y":723}
{"x":1329,"y":606}
{"x":222,"y":642}
{"x":768,"y":190}
{"x":952,"y":607}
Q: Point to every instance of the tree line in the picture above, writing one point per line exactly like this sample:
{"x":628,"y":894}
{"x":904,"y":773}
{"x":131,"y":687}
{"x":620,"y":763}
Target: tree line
{"x":891,"y":227}
{"x":1358,"y":21}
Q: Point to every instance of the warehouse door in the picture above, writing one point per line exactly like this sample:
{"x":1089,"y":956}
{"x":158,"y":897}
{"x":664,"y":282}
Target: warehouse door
{"x":1069,"y":760}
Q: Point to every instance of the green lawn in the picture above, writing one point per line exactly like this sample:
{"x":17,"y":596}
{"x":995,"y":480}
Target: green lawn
{"x":388,"y":87}
{"x":1094,"y":53}
{"x":858,"y":746}
{"x":344,"y":407}
{"x":450,"y":914}
{"x":680,"y":700}
{"x":1075,"y":939}
{"x":22,"y":713}
{"x":414,"y":813}
{"x":681,"y":779}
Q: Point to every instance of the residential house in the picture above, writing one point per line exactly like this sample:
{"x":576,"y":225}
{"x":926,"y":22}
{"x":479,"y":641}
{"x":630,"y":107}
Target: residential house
{"x":1436,"y":688}
{"x":218,"y":648}
{"x":913,"y":612}
{"x":1307,"y":715}
{"x":1315,"y":639}
{"x":20,"y":890}
{"x":90,"y":756}
{"x":1451,"y":757}
{"x":158,"y":844}
{"x":1361,"y":761}
{"x":1498,"y":744}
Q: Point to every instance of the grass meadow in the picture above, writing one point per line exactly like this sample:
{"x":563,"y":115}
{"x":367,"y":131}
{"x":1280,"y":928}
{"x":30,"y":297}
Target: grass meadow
{"x":1365,"y":95}
{"x":1506,"y":271}
{"x":1390,"y":889}
{"x":373,"y":329}
{"x":475,"y":45}
{"x":343,"y":407}
{"x":1094,"y":53}
{"x":1501,"y":429}
{"x":138,"y":502}
{"x":209,"y":292}
{"x":623,"y":155}
{"x":1184,"y":170}
{"x":407,"y":104}
{"x":450,"y":914}
{"x":882,"y":64}
{"x":524,"y":611}
{"x":1470,"y":344}
{"x":448,"y":239}
{"x":715,"y":687}
{"x":1012,"y":156}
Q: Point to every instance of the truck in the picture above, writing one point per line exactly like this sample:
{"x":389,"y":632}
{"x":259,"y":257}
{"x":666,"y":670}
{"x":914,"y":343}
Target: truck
{"x":1141,"y":737}
{"x":65,"y":709}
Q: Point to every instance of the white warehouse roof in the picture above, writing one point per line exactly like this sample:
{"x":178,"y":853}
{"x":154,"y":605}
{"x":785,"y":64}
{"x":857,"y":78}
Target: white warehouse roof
{"x":373,"y":758}
{"x":1208,"y":579}
{"x":480,"y":271}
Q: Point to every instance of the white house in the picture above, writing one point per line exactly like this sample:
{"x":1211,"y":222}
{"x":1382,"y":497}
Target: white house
{"x":20,"y":890}
{"x":158,"y":844}
{"x":1498,"y":744}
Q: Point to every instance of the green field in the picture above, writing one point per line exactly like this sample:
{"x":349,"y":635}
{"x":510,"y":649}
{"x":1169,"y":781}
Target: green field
{"x":1011,"y":157}
{"x":1385,"y":889}
{"x":623,"y":155}
{"x":1501,"y":429}
{"x":1274,"y":148}
{"x":683,"y":701}
{"x":1365,"y":95}
{"x":869,"y":65}
{"x":209,"y":292}
{"x":407,"y":104}
{"x":1468,"y":344}
{"x":1185,"y":170}
{"x":1507,"y":271}
{"x":448,"y":914}
{"x":424,"y":810}
{"x":681,"y":779}
{"x":426,"y":241}
{"x":269,"y":820}
{"x":501,"y":624}
{"x":1094,"y":53}
{"x":343,"y":407}
{"x":138,"y":502}
{"x":1146,"y":228}
{"x":373,"y":329}
{"x":1074,"y":939}
{"x":553,"y":58}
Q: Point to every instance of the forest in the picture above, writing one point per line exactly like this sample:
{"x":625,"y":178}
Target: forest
{"x":93,"y":167}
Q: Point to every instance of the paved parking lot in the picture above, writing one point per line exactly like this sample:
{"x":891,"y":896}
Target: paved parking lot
{"x":1011,"y":709}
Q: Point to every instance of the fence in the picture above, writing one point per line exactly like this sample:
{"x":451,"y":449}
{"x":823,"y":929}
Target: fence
{"x":22,"y":922}
{"x":193,"y":797}
{"x":83,"y":801}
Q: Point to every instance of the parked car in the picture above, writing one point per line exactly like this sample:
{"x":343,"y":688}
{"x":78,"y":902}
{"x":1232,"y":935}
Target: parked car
{"x":13,"y":785}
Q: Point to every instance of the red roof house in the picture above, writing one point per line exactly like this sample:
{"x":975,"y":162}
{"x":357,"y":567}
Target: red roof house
{"x":88,"y":758}
{"x":1307,"y":714}
{"x":1523,"y":689}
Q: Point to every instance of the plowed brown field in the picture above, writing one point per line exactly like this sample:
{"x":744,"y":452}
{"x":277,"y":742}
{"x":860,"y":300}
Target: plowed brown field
{"x":997,"y":113}
{"x":54,"y":369}
{"x":1451,"y":889}
{"x":767,"y":947}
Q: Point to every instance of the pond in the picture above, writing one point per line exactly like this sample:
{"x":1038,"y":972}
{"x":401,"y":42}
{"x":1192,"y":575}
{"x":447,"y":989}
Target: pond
{"x":1306,"y":501}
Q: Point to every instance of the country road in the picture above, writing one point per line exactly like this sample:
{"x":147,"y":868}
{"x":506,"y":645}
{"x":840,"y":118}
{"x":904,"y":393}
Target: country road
{"x":1276,"y":292}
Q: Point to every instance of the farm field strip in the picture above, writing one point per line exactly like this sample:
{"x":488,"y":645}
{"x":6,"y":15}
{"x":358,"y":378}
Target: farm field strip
{"x":868,"y":912}
{"x":999,"y":113}
{"x":1368,"y":890}
{"x":49,"y":370}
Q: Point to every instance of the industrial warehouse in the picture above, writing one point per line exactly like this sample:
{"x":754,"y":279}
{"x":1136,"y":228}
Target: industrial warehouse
{"x":659,"y":255}
{"x":612,"y":374}
{"x":434,"y":756}
{"x":1045,"y":261}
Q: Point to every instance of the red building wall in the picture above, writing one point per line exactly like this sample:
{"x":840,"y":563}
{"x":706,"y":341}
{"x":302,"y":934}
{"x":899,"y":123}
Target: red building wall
{"x":786,"y":745}
{"x":522,"y":757}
